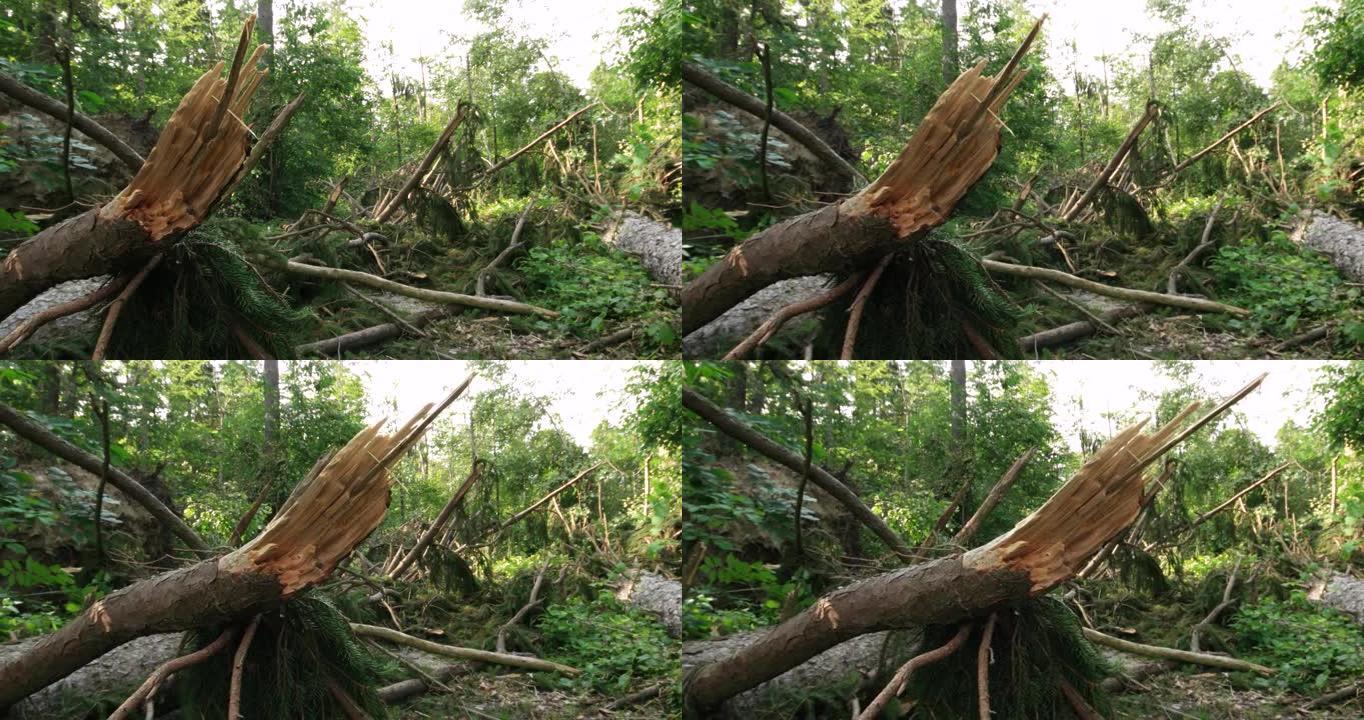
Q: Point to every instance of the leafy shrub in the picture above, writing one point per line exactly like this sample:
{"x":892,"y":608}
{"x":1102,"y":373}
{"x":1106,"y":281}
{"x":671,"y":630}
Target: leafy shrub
{"x":613,"y":645}
{"x":1281,"y":284}
{"x":1311,"y":647}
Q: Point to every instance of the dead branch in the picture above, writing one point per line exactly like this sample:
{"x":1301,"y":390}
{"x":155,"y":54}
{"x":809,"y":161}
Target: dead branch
{"x":992,"y":499}
{"x":1141,"y":296}
{"x":1226,"y":602}
{"x":11,"y":86}
{"x":106,"y":332}
{"x":234,"y":695}
{"x":1196,"y":658}
{"x":530,"y":145}
{"x":1239,"y":494}
{"x":982,"y":667}
{"x":531,"y":602}
{"x":773,"y":323}
{"x":1069,"y":214}
{"x":897,"y":683}
{"x":1094,"y":318}
{"x":518,"y":661}
{"x":30,"y":325}
{"x":387,"y":210}
{"x":30,"y":430}
{"x":445,"y":514}
{"x":698,"y":76}
{"x":438,"y":296}
{"x":1205,"y":244}
{"x":952,"y":148}
{"x":169,"y":668}
{"x":859,"y":303}
{"x":716,"y":416}
{"x":1218,"y":143}
{"x":515,"y":244}
{"x":552,"y":494}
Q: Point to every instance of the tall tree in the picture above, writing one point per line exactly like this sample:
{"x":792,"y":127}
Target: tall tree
{"x":265,"y":25}
{"x":270,"y":429}
{"x":950,"y":61}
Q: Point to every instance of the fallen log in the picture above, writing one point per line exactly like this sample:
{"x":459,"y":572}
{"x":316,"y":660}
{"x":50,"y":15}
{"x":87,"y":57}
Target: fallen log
{"x":656,"y":595}
{"x":716,"y":416}
{"x":1043,"y":550}
{"x":11,"y":86}
{"x":1074,"y":331}
{"x":1219,"y":142}
{"x":1205,"y":244}
{"x":952,"y":148}
{"x":330,"y":512}
{"x":480,"y":286}
{"x":373,"y":335}
{"x":531,"y":145}
{"x":698,"y":76}
{"x":442,"y":518}
{"x":178,"y":187}
{"x":518,"y":661}
{"x":25,"y":427}
{"x":437,"y":296}
{"x":1141,"y":296}
{"x":1197,"y":658}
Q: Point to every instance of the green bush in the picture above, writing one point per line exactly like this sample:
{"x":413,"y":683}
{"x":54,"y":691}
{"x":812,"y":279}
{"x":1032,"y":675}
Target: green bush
{"x":613,"y":645}
{"x":1312,"y":648}
{"x":1281,"y":284}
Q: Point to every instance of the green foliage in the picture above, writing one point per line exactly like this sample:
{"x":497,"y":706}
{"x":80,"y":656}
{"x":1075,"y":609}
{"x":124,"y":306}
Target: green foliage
{"x":1339,"y":36}
{"x":615,"y":646}
{"x":1313,"y":648}
{"x":1282,"y":285}
{"x":1343,"y":417}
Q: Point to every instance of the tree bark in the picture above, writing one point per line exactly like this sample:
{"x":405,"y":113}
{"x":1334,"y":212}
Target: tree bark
{"x":330,"y":512}
{"x":439,"y":296}
{"x":950,"y":61}
{"x":952,"y":149}
{"x":1141,"y":296}
{"x":193,"y":166}
{"x":716,"y":416}
{"x":1043,"y":550}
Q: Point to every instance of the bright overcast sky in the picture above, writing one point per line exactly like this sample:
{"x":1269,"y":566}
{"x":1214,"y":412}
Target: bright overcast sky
{"x":1085,"y":391}
{"x":581,"y":393}
{"x":1262,"y":31}
{"x":581,"y":33}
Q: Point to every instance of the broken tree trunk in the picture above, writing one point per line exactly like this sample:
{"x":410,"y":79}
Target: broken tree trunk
{"x":11,"y":86}
{"x":438,"y":296}
{"x":1141,"y":296}
{"x":1070,"y":213}
{"x":383,"y":214}
{"x":696,"y":75}
{"x":25,"y":427}
{"x":1043,"y":550}
{"x":440,"y":521}
{"x":1069,"y":332}
{"x":1218,"y":143}
{"x":952,"y":148}
{"x":193,"y":166}
{"x":330,"y":512}
{"x":716,"y":416}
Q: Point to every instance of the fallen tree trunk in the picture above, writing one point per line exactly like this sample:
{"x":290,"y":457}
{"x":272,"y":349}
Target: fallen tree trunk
{"x":530,"y":145}
{"x":1218,"y":143}
{"x":1070,"y":213}
{"x":1074,"y":331}
{"x":656,"y":595}
{"x":193,"y":166}
{"x":1043,"y":550}
{"x":11,"y":86}
{"x":1141,"y":296}
{"x":953,"y":147}
{"x":518,"y":661}
{"x":437,"y":296}
{"x":374,"y":335}
{"x":330,"y":512}
{"x":716,"y":416}
{"x":441,"y":519}
{"x":25,"y":427}
{"x":116,"y":674}
{"x":696,"y":75}
{"x":1185,"y":656}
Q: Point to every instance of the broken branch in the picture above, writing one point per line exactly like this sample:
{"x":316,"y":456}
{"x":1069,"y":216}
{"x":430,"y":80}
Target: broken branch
{"x":1141,"y":296}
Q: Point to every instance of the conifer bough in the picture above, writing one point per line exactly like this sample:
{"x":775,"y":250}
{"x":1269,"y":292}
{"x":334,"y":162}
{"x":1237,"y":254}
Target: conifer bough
{"x":952,"y":149}
{"x":1042,"y":551}
{"x":341,"y":501}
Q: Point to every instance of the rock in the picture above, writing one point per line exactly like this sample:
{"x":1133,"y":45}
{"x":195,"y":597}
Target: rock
{"x":1341,"y":241}
{"x":720,"y":335}
{"x":83,"y":323}
{"x":657,"y":245}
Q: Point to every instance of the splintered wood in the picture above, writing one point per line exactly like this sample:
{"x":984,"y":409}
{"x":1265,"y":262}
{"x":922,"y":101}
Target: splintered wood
{"x":335,"y":508}
{"x":1054,"y":542}
{"x":199,"y":155}
{"x":951,"y":149}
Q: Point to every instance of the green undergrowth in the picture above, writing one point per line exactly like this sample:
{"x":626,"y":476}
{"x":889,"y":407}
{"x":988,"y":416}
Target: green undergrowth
{"x":1314,"y":649}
